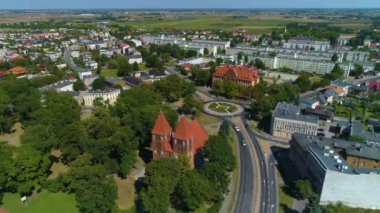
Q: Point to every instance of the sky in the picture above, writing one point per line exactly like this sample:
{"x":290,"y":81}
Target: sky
{"x":133,"y":4}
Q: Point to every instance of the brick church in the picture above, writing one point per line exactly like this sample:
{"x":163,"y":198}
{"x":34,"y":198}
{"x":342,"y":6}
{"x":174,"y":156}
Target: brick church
{"x":188,"y":138}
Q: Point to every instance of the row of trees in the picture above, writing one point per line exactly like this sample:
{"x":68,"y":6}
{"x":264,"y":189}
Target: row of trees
{"x":171,"y":182}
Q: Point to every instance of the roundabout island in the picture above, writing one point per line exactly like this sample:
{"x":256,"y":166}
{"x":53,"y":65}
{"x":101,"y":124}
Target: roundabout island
{"x":222,"y":108}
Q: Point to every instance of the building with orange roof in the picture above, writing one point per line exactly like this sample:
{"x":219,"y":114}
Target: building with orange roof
{"x":187,"y":140}
{"x":339,"y":90}
{"x":245,"y":76}
{"x":18,"y":70}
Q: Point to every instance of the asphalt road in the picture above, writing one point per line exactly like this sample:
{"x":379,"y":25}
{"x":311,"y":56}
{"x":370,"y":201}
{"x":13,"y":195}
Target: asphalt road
{"x":69,"y":61}
{"x":246,"y":179}
{"x":267,"y":171}
{"x":267,"y":168}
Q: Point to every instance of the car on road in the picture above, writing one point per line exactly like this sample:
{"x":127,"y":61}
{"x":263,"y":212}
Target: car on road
{"x":243,"y":143}
{"x":321,"y":134}
{"x":237,"y":129}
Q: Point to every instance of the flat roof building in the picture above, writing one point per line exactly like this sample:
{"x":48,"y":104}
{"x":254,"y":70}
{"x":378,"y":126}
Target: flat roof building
{"x":342,"y":171}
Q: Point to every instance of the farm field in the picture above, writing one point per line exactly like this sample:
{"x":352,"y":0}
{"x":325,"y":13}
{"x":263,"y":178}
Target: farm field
{"x":257,"y":22}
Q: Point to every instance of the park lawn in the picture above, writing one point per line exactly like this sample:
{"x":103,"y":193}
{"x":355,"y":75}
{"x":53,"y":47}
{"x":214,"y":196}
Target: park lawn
{"x":286,"y":202}
{"x":211,"y":124}
{"x":57,"y":169}
{"x":126,"y":193}
{"x":13,"y":138}
{"x":142,"y":67}
{"x":44,"y":202}
{"x":109,"y":73}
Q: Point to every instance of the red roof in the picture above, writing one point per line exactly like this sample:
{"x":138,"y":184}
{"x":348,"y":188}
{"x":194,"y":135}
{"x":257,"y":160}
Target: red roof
{"x":186,"y":130}
{"x":191,"y":130}
{"x":18,"y":70}
{"x":374,"y":85}
{"x":3,"y":211}
{"x":2,"y":74}
{"x":162,"y":126}
{"x":243,"y":73}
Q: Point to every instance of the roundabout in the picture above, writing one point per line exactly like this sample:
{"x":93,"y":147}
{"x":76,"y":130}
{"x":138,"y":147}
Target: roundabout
{"x":222,"y":108}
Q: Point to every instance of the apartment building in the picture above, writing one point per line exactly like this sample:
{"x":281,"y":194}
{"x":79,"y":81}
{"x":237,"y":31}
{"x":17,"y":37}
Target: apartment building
{"x":307,"y":44}
{"x":332,"y":167}
{"x":286,"y":120}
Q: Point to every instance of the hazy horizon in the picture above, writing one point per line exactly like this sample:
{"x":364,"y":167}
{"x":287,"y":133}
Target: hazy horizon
{"x":194,"y":4}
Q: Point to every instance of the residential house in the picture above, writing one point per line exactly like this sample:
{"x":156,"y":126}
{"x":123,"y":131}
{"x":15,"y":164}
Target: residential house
{"x":135,"y":59}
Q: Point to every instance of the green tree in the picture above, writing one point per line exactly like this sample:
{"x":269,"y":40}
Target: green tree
{"x":6,"y":120}
{"x":99,"y":69}
{"x":99,"y":83}
{"x":259,"y":63}
{"x":336,"y":73}
{"x":303,"y":82}
{"x":96,"y":195}
{"x":218,"y":87}
{"x":303,"y":189}
{"x":264,"y":107}
{"x":377,"y":67}
{"x":191,"y":105}
{"x":230,"y":88}
{"x":206,"y":52}
{"x":79,"y":85}
{"x":32,"y":169}
{"x":174,"y":87}
{"x":357,"y":71}
{"x":192,"y":190}
{"x":161,"y":179}
{"x":334,"y":58}
{"x":135,"y":66}
{"x":217,"y":149}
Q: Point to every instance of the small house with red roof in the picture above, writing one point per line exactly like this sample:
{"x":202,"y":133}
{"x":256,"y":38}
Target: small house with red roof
{"x":187,"y":140}
{"x":245,"y":76}
{"x":18,"y":70}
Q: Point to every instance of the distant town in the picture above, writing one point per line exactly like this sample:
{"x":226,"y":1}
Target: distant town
{"x":182,"y":111}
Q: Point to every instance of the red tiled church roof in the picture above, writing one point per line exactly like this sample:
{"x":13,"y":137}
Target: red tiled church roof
{"x":191,"y":130}
{"x":162,"y":126}
{"x":186,"y":130}
{"x":243,"y":73}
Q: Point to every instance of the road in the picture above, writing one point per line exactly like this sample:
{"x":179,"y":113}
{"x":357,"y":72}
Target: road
{"x":245,"y":193}
{"x":266,"y":171}
{"x":69,"y":61}
{"x":268,"y":174}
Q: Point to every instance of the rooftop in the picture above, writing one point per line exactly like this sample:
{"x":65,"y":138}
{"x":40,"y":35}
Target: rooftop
{"x":291,"y":111}
{"x":323,"y":150}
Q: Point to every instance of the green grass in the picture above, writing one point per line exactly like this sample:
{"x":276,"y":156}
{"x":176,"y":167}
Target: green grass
{"x":222,"y":107}
{"x":286,"y":202}
{"x":208,"y":21}
{"x":142,"y":67}
{"x":109,"y":73}
{"x":44,"y":202}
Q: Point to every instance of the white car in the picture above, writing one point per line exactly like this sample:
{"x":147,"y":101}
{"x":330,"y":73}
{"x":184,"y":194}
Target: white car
{"x":237,"y":129}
